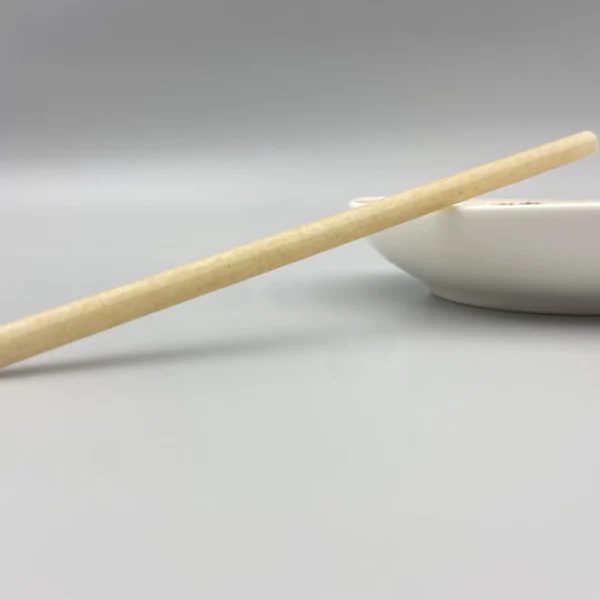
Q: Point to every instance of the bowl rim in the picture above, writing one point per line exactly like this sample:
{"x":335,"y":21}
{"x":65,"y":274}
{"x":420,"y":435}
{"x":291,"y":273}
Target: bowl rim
{"x":501,"y":203}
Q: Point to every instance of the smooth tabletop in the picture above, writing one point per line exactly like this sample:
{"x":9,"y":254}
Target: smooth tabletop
{"x":328,"y":430}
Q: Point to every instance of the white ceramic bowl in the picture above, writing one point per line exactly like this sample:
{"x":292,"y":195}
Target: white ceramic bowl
{"x":528,"y":256}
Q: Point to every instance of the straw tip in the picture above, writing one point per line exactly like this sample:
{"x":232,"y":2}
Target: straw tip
{"x":591,"y":137}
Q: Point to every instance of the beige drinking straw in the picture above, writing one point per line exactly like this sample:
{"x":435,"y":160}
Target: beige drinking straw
{"x":33,"y":335}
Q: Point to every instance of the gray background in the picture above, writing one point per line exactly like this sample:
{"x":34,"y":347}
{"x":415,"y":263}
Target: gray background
{"x":328,"y":430}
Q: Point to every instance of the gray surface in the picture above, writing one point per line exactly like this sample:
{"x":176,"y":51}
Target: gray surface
{"x":325,"y":431}
{"x":328,"y":431}
{"x":85,"y":78}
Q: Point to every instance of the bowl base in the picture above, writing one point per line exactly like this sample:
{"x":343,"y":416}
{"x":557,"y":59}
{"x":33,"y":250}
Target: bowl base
{"x":549,"y":305}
